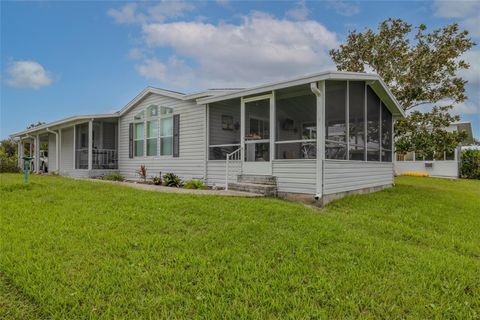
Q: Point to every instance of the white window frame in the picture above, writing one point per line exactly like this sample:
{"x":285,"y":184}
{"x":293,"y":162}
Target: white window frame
{"x":160,"y":137}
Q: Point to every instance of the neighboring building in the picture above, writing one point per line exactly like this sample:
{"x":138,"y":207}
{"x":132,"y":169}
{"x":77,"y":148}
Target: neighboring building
{"x":270,"y":134}
{"x":445,"y":164}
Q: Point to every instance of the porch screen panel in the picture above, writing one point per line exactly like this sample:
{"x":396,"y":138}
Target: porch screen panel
{"x":335,"y":120}
{"x":257,"y":130}
{"x":296,"y":123}
{"x":81,"y":146}
{"x":224,"y":128}
{"x":356,"y":123}
{"x":373,"y":126}
{"x":386,"y":134}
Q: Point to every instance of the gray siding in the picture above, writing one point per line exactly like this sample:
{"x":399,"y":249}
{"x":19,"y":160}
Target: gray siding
{"x":191,"y":162}
{"x":295,"y":176}
{"x":216,"y":172}
{"x":52,"y":156}
{"x":66,"y":151}
{"x":341,"y":176}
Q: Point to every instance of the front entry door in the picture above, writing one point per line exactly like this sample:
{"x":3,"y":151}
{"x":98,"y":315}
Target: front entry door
{"x":257,"y":134}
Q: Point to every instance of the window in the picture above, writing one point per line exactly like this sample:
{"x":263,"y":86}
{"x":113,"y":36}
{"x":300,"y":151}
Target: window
{"x":373,"y":126}
{"x":166,"y":131}
{"x":356,"y":124}
{"x":138,"y":139}
{"x":296,"y":126}
{"x":224,"y":128}
{"x":335,"y":120}
{"x":152,"y":132}
{"x":159,"y":127}
{"x":386,"y":134}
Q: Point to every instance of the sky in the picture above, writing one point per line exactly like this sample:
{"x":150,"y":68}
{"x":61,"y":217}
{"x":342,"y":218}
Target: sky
{"x":60,"y":59}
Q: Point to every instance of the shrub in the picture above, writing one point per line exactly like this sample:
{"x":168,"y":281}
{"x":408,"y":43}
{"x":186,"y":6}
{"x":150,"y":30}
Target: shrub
{"x":114,"y":177}
{"x":470,"y":164}
{"x":157,"y":180}
{"x":142,"y":172}
{"x":172,"y":180}
{"x":195,"y":184}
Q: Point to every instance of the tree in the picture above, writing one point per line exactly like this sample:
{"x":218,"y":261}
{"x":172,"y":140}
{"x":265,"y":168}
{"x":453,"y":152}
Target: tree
{"x":8,"y":156}
{"x":419,"y":69}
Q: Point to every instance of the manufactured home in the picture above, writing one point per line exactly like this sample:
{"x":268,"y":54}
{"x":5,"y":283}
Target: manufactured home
{"x":319,"y":136}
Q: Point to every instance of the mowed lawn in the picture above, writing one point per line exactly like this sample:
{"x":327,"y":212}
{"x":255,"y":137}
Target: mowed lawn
{"x":78,"y":249}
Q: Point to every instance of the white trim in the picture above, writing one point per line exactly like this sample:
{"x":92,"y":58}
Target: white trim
{"x":90,"y":144}
{"x":295,"y":141}
{"x":145,"y":92}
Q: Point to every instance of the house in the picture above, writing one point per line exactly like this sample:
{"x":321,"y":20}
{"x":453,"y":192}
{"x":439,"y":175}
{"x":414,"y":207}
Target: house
{"x":444,"y":164}
{"x":317,"y":136}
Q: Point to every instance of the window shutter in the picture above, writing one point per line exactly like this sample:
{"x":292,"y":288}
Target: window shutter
{"x":130,"y":140}
{"x":176,"y":135}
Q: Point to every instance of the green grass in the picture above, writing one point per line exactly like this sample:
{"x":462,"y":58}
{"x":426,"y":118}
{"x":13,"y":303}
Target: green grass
{"x":78,"y":249}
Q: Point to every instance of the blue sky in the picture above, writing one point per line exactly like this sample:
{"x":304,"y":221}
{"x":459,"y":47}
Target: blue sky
{"x":65,"y":58}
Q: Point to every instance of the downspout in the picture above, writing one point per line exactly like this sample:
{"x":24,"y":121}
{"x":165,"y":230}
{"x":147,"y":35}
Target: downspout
{"x":57,"y":160}
{"x":320,"y":140}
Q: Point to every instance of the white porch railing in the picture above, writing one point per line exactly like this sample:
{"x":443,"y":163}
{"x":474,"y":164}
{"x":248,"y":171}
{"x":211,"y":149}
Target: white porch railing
{"x":233,"y":156}
{"x":101,"y":158}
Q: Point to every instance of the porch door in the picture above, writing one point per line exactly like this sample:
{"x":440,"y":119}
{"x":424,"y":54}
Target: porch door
{"x":257,"y":134}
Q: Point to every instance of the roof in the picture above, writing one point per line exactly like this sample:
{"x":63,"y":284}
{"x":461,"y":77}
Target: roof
{"x":64,"y":121}
{"x":212,"y":95}
{"x":377,"y":85}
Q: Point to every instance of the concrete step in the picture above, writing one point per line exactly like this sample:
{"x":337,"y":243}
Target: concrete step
{"x":267,"y":190}
{"x":257,"y":179}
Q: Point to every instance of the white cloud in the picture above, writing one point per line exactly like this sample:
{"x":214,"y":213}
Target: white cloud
{"x":135,"y":53}
{"x":28,"y":74}
{"x":132,"y":13}
{"x":300,"y":12}
{"x":344,"y":8}
{"x":152,"y":69}
{"x":261,"y":48}
{"x":467,"y":108}
{"x":126,"y":14}
{"x":467,"y":13}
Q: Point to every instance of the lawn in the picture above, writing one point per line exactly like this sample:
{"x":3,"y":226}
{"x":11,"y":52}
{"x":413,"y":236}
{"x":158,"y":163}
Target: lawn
{"x":79,"y":249}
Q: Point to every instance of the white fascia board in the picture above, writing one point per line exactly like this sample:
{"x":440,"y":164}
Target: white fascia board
{"x":69,"y":120}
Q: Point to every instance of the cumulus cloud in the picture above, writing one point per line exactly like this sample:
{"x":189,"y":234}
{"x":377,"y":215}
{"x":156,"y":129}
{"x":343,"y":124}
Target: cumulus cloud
{"x":28,"y":74}
{"x":260,"y":48}
{"x":466,"y":12}
{"x":300,"y":12}
{"x":472,"y":75}
{"x":132,"y":13}
{"x":344,"y":8}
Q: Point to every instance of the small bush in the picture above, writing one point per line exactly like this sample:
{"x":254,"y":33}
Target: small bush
{"x":8,"y":156}
{"x":157,"y":180}
{"x":114,"y":177}
{"x":470,"y":164}
{"x":172,"y":180}
{"x":142,"y":172}
{"x":195,"y":184}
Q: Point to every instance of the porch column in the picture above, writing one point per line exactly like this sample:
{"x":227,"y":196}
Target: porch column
{"x":20,"y":152}
{"x":90,"y":143}
{"x":319,"y":90}
{"x":37,"y":154}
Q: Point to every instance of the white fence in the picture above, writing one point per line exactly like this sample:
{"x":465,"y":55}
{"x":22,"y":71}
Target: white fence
{"x":435,"y":168}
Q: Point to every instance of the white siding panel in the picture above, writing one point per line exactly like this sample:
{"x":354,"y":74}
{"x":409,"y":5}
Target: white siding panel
{"x":342,"y":176}
{"x":295,"y":176}
{"x":191,"y":162}
{"x":52,"y":156}
{"x":66,"y":163}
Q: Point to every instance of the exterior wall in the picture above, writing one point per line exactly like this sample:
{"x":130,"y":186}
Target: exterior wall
{"x":216,"y":172}
{"x":344,"y":175}
{"x":447,"y":168}
{"x":191,"y":161}
{"x":295,"y":176}
{"x":52,"y":155}
{"x":66,"y":151}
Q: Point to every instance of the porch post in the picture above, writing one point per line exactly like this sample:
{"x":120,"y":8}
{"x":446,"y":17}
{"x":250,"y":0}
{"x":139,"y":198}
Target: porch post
{"x":272,"y":130}
{"x":37,"y":154}
{"x":20,"y":153}
{"x":90,"y":143}
{"x":242,"y":132}
{"x":320,"y":145}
